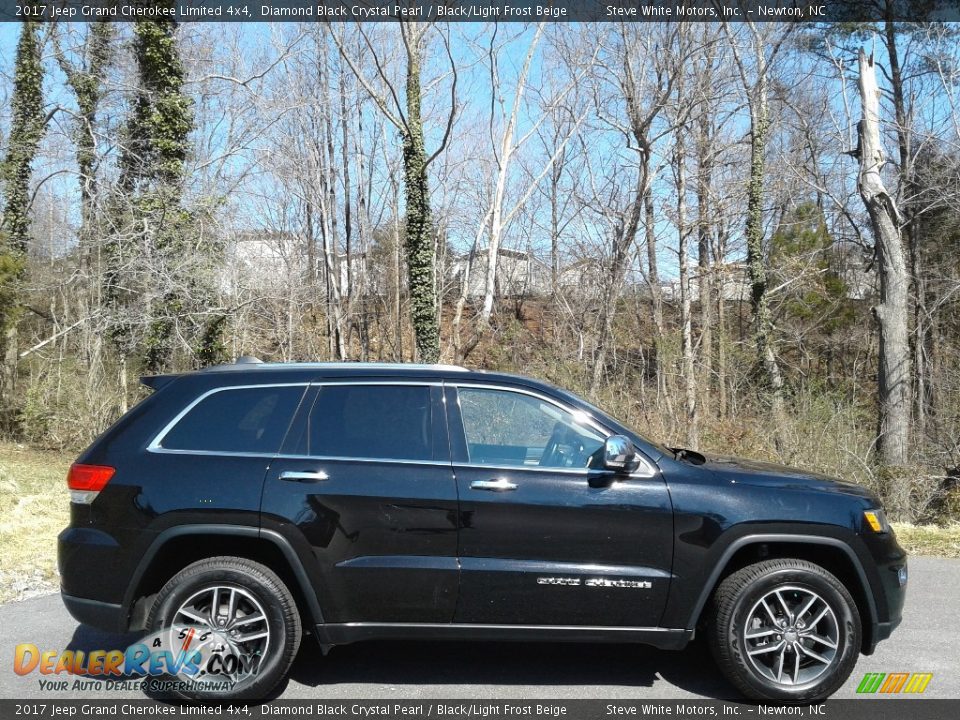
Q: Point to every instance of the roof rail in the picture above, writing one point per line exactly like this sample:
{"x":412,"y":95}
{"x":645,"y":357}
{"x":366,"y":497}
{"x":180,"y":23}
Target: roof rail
{"x":249,"y":362}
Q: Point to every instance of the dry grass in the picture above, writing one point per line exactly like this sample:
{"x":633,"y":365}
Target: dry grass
{"x":34,"y":508}
{"x":929,"y":539}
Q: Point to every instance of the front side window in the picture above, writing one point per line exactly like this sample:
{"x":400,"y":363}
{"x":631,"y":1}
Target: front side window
{"x":252,"y":420}
{"x":514,"y":429}
{"x":386,"y":422}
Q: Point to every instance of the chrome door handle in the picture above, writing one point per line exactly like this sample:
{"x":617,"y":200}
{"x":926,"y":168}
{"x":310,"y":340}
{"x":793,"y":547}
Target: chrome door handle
{"x":498,"y":485}
{"x":304,"y":476}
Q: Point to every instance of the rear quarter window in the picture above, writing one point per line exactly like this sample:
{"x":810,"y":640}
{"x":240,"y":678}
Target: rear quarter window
{"x":251,"y":420}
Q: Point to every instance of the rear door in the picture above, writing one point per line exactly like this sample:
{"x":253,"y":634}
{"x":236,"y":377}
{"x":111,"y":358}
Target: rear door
{"x":547,"y":536}
{"x":208,"y":464}
{"x":364,"y":481}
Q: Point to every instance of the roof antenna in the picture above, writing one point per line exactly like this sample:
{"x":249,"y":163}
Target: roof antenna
{"x":248,"y":360}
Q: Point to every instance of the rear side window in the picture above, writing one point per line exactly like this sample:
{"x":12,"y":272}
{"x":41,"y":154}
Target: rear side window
{"x":388,"y":422}
{"x":237,"y":420}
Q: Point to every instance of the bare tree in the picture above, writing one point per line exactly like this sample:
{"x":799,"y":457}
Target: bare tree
{"x":755,"y":69}
{"x":893,"y":378}
{"x":407,"y":118}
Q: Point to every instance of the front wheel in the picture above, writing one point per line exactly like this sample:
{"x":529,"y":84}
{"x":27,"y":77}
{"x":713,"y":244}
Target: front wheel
{"x":785,"y":630}
{"x":232,"y":629}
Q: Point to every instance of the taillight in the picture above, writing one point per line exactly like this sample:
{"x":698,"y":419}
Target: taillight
{"x":86,"y":481}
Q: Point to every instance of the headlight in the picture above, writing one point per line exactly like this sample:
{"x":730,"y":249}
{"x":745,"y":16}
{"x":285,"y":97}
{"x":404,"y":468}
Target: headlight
{"x":876,"y":520}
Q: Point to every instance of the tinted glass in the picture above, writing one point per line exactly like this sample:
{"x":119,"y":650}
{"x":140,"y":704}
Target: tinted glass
{"x":507,"y":428}
{"x":372,"y":421}
{"x":240,"y":420}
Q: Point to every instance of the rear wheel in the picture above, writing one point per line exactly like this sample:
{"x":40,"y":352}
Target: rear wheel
{"x":232,"y":624}
{"x":785,"y":630}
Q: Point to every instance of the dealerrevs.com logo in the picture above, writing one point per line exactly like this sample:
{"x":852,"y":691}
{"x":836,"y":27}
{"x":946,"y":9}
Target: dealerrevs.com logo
{"x":894,"y":683}
{"x":197,"y":660}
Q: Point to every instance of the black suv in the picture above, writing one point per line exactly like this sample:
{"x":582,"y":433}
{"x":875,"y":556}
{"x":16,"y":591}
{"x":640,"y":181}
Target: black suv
{"x":238,"y":507}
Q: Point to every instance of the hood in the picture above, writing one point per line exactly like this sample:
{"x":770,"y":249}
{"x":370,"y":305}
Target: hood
{"x":756,"y":472}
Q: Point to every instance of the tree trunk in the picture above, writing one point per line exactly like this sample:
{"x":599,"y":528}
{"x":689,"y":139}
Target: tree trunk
{"x":704,"y":274}
{"x":686,"y":340}
{"x":503,"y":156}
{"x":421,"y":255}
{"x":756,"y":259}
{"x":892,"y":312}
{"x":623,"y":239}
{"x":719,"y":253}
{"x":26,"y":129}
{"x":653,"y":280}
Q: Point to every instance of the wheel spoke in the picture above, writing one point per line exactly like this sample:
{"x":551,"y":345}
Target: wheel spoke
{"x":232,"y":605}
{"x":819,"y":617}
{"x":806,"y":608}
{"x":196,"y":617}
{"x":783,"y":654}
{"x":248,"y":620}
{"x":761,"y":633}
{"x":783,"y":604}
{"x":251,"y":636}
{"x":820,"y":639}
{"x":773,"y":618}
{"x":810,"y":653}
{"x":771,"y":647}
{"x":796,"y":668}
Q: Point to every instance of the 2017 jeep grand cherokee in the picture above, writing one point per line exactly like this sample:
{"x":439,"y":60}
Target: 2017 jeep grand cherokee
{"x":238,"y":507}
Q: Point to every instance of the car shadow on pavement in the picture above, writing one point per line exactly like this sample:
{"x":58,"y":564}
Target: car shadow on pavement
{"x":88,"y":639}
{"x":480,"y":664}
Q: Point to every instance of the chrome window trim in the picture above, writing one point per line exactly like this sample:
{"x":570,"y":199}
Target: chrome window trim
{"x":282,"y":456}
{"x":156,"y":445}
{"x":646,"y":470}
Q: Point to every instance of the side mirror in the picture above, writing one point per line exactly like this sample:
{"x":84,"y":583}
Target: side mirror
{"x":620,"y":455}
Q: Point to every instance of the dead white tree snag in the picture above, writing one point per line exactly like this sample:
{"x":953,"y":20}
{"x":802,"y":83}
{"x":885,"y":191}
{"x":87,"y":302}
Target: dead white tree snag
{"x":894,"y":389}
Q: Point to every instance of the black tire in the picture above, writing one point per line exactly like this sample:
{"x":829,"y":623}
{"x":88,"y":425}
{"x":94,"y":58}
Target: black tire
{"x":737,"y":602}
{"x":258,"y":584}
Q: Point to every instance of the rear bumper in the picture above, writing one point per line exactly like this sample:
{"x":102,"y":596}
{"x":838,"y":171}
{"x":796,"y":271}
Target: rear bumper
{"x":99,"y":614}
{"x":92,"y":577}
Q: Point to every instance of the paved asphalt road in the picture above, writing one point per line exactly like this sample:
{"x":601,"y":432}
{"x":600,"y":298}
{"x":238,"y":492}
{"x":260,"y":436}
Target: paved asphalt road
{"x":927,"y":641}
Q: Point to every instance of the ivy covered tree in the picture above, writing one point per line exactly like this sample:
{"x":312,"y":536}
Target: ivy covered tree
{"x":149,"y":210}
{"x":86,"y":78}
{"x":26,"y":130}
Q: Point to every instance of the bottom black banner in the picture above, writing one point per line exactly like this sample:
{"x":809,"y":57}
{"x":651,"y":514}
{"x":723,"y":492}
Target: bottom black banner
{"x":875,"y":708}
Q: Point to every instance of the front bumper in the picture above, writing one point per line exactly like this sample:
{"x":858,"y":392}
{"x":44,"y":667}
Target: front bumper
{"x":889,"y":586}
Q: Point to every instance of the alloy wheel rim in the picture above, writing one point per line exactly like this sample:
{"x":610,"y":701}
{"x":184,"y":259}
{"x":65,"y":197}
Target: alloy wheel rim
{"x":229,"y":629}
{"x":791,"y":636}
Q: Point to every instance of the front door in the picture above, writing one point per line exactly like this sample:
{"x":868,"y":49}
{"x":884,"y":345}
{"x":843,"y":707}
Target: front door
{"x":547,"y":537}
{"x":364,"y":483}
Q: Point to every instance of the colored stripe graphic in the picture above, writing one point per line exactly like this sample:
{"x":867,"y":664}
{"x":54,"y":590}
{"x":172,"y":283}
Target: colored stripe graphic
{"x":894,"y":682}
{"x":870,"y":682}
{"x":918,"y":682}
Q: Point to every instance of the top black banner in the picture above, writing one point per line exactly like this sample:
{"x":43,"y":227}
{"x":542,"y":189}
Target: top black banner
{"x":484,"y":10}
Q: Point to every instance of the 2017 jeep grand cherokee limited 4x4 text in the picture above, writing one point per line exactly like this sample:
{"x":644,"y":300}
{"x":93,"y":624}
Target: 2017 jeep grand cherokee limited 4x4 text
{"x":238,"y":507}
